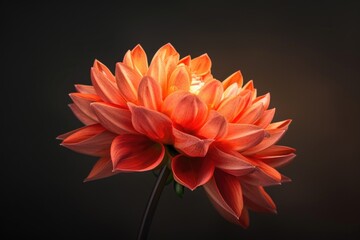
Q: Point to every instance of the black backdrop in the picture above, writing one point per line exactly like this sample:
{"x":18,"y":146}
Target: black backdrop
{"x":305,"y":54}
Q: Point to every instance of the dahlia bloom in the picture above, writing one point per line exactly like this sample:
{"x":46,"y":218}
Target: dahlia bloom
{"x":221,"y":132}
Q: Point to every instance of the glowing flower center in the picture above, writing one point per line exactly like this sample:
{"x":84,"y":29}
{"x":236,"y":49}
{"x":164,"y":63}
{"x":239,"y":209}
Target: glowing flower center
{"x":196,"y":84}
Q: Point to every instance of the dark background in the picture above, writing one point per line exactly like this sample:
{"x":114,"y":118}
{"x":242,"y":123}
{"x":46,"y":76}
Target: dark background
{"x":305,"y":54}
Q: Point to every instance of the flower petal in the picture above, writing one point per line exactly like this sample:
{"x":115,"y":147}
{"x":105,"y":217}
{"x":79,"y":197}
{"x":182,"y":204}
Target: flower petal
{"x":114,"y":119}
{"x":85,"y":119}
{"x":83,"y":101}
{"x":243,"y":136}
{"x":225,"y":190}
{"x":192,"y":172}
{"x":92,"y":140}
{"x":190,"y":145}
{"x":153,"y":124}
{"x":165,"y":51}
{"x":201,"y":65}
{"x":180,"y":79}
{"x":265,"y":100}
{"x":128,"y":81}
{"x":149,"y":93}
{"x":211,"y":93}
{"x":257,"y":199}
{"x":252,"y":114}
{"x":215,"y":126}
{"x":136,"y":153}
{"x":103,"y":168}
{"x":232,"y":106}
{"x":185,"y":60}
{"x":278,"y":161}
{"x":139,"y":59}
{"x":106,"y":88}
{"x":236,"y":77}
{"x":274,"y":135}
{"x":157,"y":71}
{"x":264,"y":175}
{"x":87,"y":89}
{"x":230,"y":162}
{"x":282,"y":125}
{"x":104,"y":70}
{"x":276,"y":156}
{"x":266,"y":118}
{"x":186,"y":110}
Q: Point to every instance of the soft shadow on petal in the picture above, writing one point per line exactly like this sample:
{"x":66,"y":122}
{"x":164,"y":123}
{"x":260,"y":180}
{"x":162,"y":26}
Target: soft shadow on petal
{"x":211,"y":93}
{"x":114,"y":119}
{"x":215,"y":126}
{"x":128,"y":82}
{"x":264,"y":175}
{"x":192,"y":172}
{"x":201,"y":65}
{"x":273,"y":136}
{"x":139,"y":59}
{"x":180,"y":79}
{"x":150,"y":93}
{"x":236,"y":77}
{"x":136,"y":153}
{"x":266,"y":118}
{"x":83,"y":101}
{"x":153,"y":124}
{"x":103,"y":168}
{"x":85,"y":119}
{"x":252,"y":114}
{"x":256,"y":199}
{"x":190,"y":144}
{"x":87,"y":89}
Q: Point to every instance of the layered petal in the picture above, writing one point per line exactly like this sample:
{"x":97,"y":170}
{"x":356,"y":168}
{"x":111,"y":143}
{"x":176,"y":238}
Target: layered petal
{"x":266,"y":118}
{"x":180,"y":79}
{"x":153,"y":124}
{"x":92,"y":140}
{"x":273,"y":136}
{"x":215,"y":126}
{"x":276,"y":156}
{"x":83,"y":101}
{"x":192,"y":171}
{"x":135,"y":153}
{"x":128,"y":82}
{"x":264,"y":175}
{"x":243,"y":136}
{"x":86,"y":89}
{"x":114,"y":119}
{"x":103,"y":168}
{"x":190,"y":144}
{"x":150,"y":93}
{"x":201,"y":65}
{"x":257,"y":199}
{"x":236,"y":77}
{"x":231,"y":107}
{"x":211,"y":93}
{"x":85,"y":119}
{"x":225,"y":190}
{"x":137,"y":60}
{"x":252,"y":114}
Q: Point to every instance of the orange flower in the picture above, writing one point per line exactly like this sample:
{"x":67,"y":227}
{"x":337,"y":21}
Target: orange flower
{"x":221,"y":131}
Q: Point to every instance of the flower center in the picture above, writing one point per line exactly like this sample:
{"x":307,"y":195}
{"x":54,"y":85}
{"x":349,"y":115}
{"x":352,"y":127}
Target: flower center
{"x":196,"y":84}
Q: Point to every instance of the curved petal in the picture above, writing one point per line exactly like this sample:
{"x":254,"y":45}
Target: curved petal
{"x":215,"y":126}
{"x":276,"y":156}
{"x":87,"y":89}
{"x":275,"y":150}
{"x":128,"y":81}
{"x":83,"y":101}
{"x":192,"y":172}
{"x":264,"y":175}
{"x":190,"y":145}
{"x":201,"y":65}
{"x":236,"y":77}
{"x":249,"y":86}
{"x":232,"y":106}
{"x":85,"y":119}
{"x":153,"y":124}
{"x":252,"y":114}
{"x":230,"y":162}
{"x":180,"y":79}
{"x":136,"y":153}
{"x":106,"y":88}
{"x":282,"y":125}
{"x":103,"y":168}
{"x":274,"y":135}
{"x":114,"y":119}
{"x":257,"y":199}
{"x":266,"y":118}
{"x":165,"y":51}
{"x":265,"y":100}
{"x":139,"y":59}
{"x":211,"y":93}
{"x":185,"y":60}
{"x":225,"y":190}
{"x":92,"y":140}
{"x":243,"y":136}
{"x":103,"y":70}
{"x":157,"y":71}
{"x":149,"y":93}
{"x":186,"y":110}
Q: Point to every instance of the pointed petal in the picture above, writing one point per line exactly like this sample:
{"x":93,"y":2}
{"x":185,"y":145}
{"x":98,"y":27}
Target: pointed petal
{"x":114,"y":119}
{"x":211,"y":93}
{"x":136,"y":153}
{"x":87,"y":89}
{"x":230,"y":162}
{"x":127,"y":60}
{"x":83,"y":101}
{"x":190,"y":145}
{"x":192,"y":172}
{"x":128,"y":82}
{"x":157,"y":71}
{"x":165,"y":51}
{"x":149,"y":93}
{"x":106,"y":88}
{"x":276,"y":156}
{"x":92,"y":140}
{"x":226,"y":191}
{"x":274,"y":135}
{"x":243,"y":136}
{"x":103,"y":168}
{"x":265,"y":100}
{"x":65,"y":135}
{"x":104,"y":70}
{"x":266,"y":118}
{"x":278,"y":161}
{"x":231,"y":107}
{"x":201,"y":65}
{"x":257,"y":199}
{"x":252,"y":114}
{"x":282,"y":125}
{"x":185,"y":60}
{"x":180,"y":79}
{"x":275,"y":150}
{"x":231,"y":91}
{"x":215,"y":126}
{"x":236,"y":77}
{"x":153,"y":124}
{"x":139,"y":60}
{"x":249,"y":86}
{"x":85,"y":119}
{"x":264,"y":175}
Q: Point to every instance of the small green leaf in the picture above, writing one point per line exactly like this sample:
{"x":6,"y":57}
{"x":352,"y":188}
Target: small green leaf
{"x":179,"y":189}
